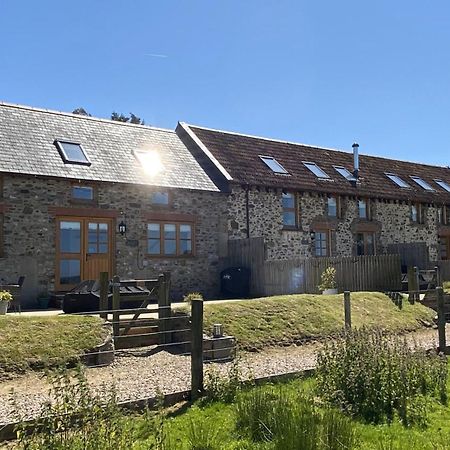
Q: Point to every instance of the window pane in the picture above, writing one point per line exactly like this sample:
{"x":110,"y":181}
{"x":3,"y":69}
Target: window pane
{"x":316,"y":170}
{"x":70,"y":237}
{"x":170,"y":247}
{"x":83,"y":193}
{"x":73,"y":152}
{"x":69,"y":271}
{"x":289,"y":218}
{"x":422,"y":183}
{"x":273,"y":164}
{"x":345,"y":173}
{"x":153,"y":230}
{"x":362,"y":206}
{"x":185,"y":232}
{"x":186,"y":247}
{"x":103,"y":248}
{"x":414,"y":213}
{"x":288,"y":200}
{"x":332,"y":206}
{"x":360,"y":244}
{"x":321,"y":244}
{"x":154,"y":246}
{"x":160,"y":198}
{"x":370,"y":242}
{"x":92,"y":248}
{"x":170,"y":231}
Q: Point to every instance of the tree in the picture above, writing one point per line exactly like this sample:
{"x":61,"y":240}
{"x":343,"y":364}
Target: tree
{"x":81,"y":112}
{"x":123,"y":118}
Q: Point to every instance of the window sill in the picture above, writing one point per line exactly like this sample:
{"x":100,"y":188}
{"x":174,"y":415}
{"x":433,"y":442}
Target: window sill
{"x":169,"y":256}
{"x":285,"y":228}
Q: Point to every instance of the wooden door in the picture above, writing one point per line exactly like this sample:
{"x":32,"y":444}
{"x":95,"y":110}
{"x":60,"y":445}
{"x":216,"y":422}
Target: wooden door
{"x":84,"y":249}
{"x":444,"y":247}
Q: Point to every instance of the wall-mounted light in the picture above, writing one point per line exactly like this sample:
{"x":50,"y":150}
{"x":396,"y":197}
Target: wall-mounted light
{"x":122,"y":228}
{"x":312,"y":235}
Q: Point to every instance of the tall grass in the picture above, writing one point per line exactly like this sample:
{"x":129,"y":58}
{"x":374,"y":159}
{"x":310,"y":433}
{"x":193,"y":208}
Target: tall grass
{"x":376,"y":377}
{"x":291,"y":421}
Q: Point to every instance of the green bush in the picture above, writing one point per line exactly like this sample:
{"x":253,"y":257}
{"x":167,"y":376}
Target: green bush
{"x":375,"y":376}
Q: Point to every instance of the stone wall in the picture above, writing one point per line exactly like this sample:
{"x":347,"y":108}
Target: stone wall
{"x":30,"y":235}
{"x":390,"y":222}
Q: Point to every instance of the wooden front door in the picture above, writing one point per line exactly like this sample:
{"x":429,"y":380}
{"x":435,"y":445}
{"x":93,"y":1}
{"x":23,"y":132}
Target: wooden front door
{"x":84,"y":249}
{"x":444,"y":247}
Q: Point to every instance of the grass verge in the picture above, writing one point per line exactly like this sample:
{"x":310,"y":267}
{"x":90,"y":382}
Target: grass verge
{"x":287,"y":319}
{"x":37,"y":342}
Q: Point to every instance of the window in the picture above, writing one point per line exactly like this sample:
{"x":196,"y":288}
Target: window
{"x":422,"y":183}
{"x":1,"y":237}
{"x":345,"y":173}
{"x":365,"y":244}
{"x":364,"y":209}
{"x":72,"y":153}
{"x":398,"y":181}
{"x":444,"y":215}
{"x":444,"y":247}
{"x":322,"y":243}
{"x":169,"y":239}
{"x":274,"y":165}
{"x":333,"y":206}
{"x":83,"y":193}
{"x":160,"y":198}
{"x":316,"y":170}
{"x":417,"y":213}
{"x":289,"y":210}
{"x":443,"y":185}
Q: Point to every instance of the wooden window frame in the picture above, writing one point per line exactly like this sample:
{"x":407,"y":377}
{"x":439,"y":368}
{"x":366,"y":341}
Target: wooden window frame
{"x":327,"y":233}
{"x":365,"y":234}
{"x":295,"y":210}
{"x":368,"y":208}
{"x":419,"y":213}
{"x":178,"y":239}
{"x":338,"y":206}
{"x":444,"y":241}
{"x":444,"y":215}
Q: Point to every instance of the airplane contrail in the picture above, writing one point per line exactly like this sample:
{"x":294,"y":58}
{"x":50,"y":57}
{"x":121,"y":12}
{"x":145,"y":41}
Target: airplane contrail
{"x":155,"y":55}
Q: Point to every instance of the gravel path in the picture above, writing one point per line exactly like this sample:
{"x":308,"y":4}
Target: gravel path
{"x":142,"y":374}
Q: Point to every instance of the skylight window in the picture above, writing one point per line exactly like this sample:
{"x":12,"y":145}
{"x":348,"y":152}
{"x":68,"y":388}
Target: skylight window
{"x":150,"y":161}
{"x":345,"y":173}
{"x":274,"y":165}
{"x":443,"y":185}
{"x":316,"y":170}
{"x":72,"y":153}
{"x":422,"y":183}
{"x":397,"y":180}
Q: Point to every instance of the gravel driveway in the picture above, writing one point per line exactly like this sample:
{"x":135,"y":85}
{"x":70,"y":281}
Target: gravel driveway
{"x":141,"y":374}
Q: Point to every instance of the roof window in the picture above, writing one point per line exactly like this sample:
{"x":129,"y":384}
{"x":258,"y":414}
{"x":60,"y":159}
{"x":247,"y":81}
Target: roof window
{"x":316,"y":170}
{"x":72,"y":153}
{"x":397,"y":180}
{"x":443,"y":185}
{"x":345,"y":173}
{"x":422,"y":183}
{"x":150,"y":161}
{"x":274,"y":165}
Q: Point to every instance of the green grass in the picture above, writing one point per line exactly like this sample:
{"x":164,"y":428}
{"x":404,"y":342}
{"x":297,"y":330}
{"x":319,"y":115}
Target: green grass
{"x":36,"y":342}
{"x":287,"y":319}
{"x":221,"y":419}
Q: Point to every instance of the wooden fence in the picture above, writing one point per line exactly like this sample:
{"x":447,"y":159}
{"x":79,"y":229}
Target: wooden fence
{"x":444,"y":269}
{"x":302,"y":275}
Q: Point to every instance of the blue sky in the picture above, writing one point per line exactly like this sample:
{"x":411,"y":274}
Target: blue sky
{"x":319,"y":72}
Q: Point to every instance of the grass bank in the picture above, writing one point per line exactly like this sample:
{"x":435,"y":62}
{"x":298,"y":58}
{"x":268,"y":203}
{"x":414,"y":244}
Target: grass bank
{"x":287,"y":319}
{"x":36,"y":342}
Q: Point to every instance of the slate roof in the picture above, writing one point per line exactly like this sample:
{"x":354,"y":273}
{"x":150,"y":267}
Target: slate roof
{"x":237,"y":156}
{"x":27,"y":138}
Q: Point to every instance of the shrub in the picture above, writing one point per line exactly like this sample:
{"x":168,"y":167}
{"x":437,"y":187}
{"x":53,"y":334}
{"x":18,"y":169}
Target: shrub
{"x":328,"y":279}
{"x":5,"y":296}
{"x":375,"y":376}
{"x":189,"y":297}
{"x":76,"y":419}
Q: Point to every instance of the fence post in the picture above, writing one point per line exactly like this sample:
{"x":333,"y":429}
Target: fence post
{"x":104,"y":291}
{"x":438,"y":276}
{"x":399,"y":300}
{"x":347,"y":311}
{"x":116,"y":305}
{"x":416,"y":283}
{"x":164,"y":311}
{"x":196,"y":348}
{"x":441,"y":318}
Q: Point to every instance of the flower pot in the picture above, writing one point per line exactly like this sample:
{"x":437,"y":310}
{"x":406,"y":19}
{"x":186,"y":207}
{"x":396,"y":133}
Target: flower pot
{"x":3,"y":308}
{"x":43,"y":302}
{"x":330,"y":291}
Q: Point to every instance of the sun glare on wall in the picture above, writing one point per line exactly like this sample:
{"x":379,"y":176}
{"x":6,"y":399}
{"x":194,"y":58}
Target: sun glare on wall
{"x":150,"y":161}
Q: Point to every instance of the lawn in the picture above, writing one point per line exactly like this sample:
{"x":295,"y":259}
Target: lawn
{"x":37,"y":342}
{"x":288,"y":319}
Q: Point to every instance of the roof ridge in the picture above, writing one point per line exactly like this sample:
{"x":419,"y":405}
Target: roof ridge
{"x":80,"y":116}
{"x":252,"y":136}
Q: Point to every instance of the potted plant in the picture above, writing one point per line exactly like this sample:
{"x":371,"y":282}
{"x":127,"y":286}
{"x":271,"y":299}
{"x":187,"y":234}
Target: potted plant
{"x":328,"y":283}
{"x":5,"y":299}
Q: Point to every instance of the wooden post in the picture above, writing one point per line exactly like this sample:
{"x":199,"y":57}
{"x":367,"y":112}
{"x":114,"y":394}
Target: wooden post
{"x":347,"y":311}
{"x":438,"y":276}
{"x":416,"y":283}
{"x":116,"y":305}
{"x":441,"y":319}
{"x":196,"y":348}
{"x":164,"y":311}
{"x":103,"y":301}
{"x":411,"y":296}
{"x":399,"y":300}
